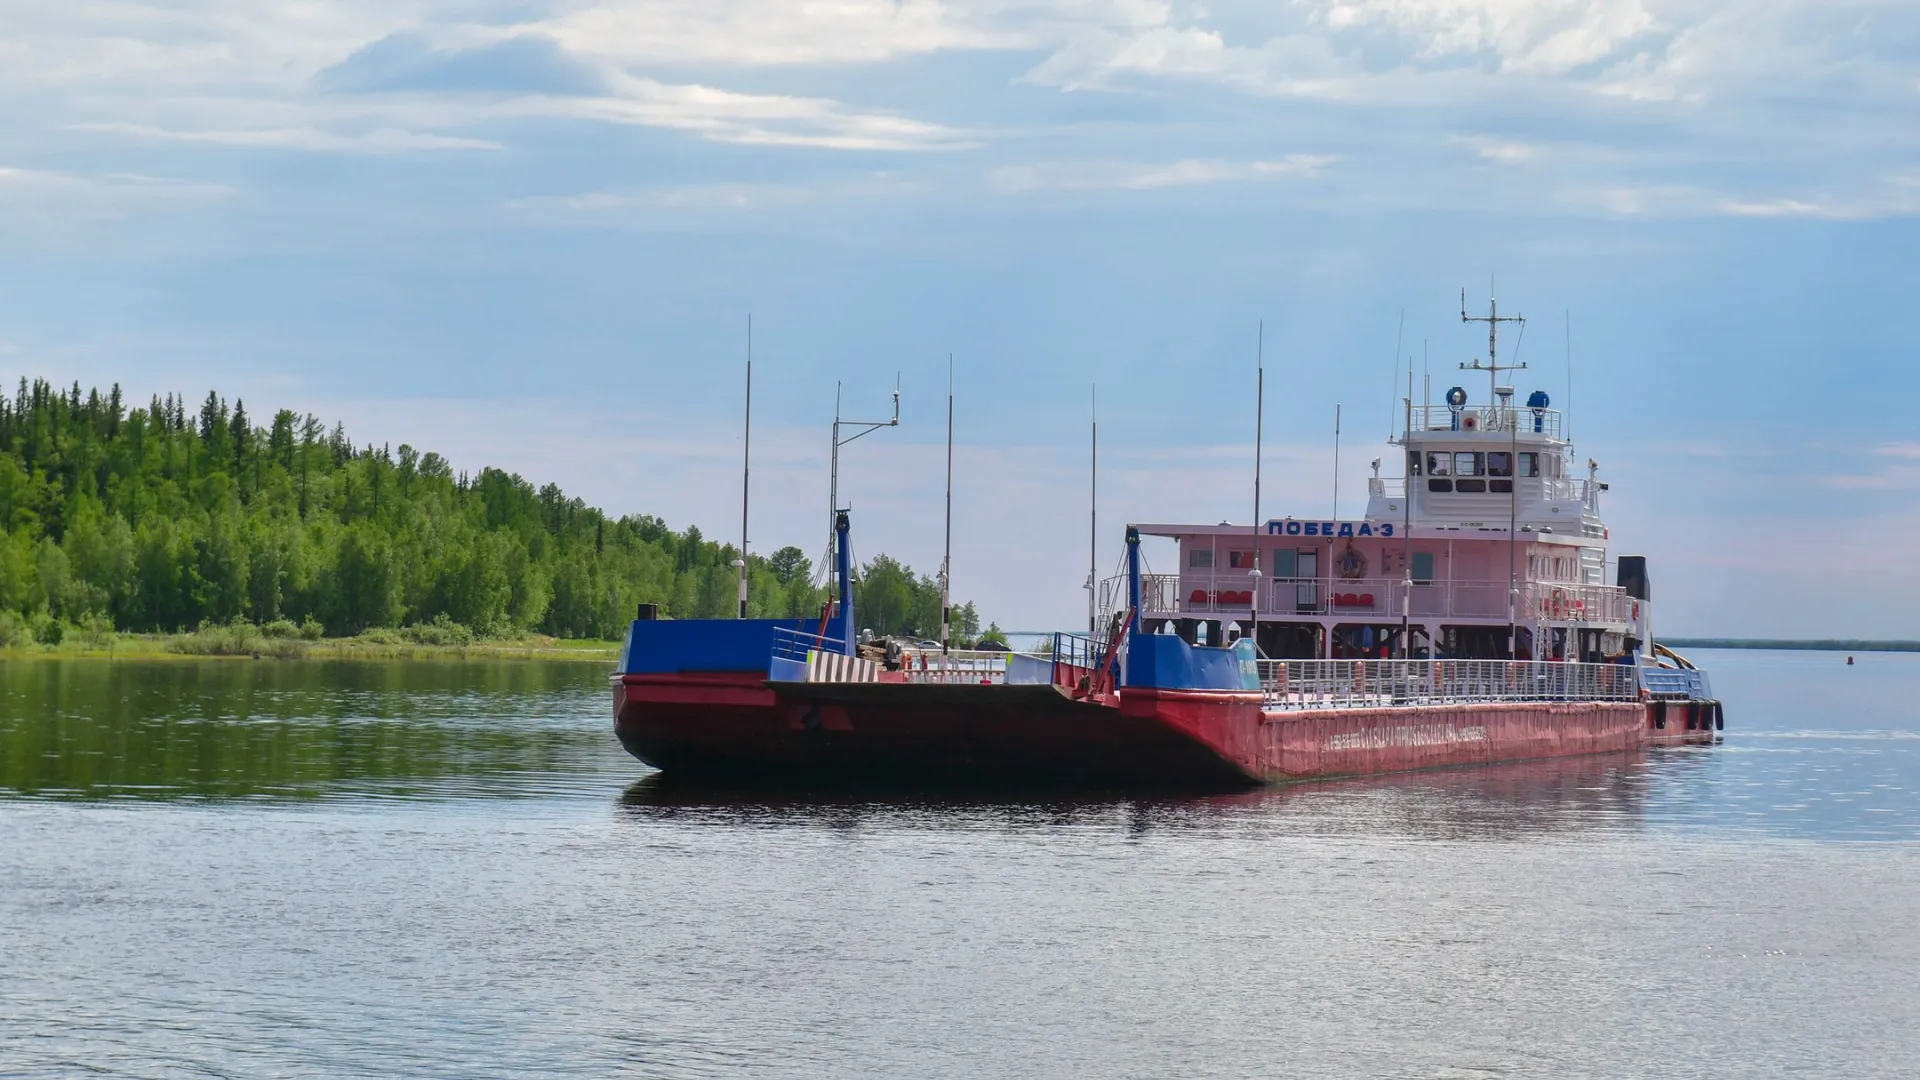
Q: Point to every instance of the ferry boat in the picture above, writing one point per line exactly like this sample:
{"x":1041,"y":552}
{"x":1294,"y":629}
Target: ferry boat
{"x":1464,"y":619}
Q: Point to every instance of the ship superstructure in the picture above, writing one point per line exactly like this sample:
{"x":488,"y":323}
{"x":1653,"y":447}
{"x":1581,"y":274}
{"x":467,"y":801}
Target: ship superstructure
{"x":1489,"y":546}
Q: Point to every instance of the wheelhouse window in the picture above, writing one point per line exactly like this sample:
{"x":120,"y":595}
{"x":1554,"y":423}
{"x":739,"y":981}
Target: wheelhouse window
{"x":1240,"y":560}
{"x":1439,"y":464}
{"x":1500,"y":468}
{"x":1200,"y":559}
{"x":1468,"y":466}
{"x":1529,"y":464}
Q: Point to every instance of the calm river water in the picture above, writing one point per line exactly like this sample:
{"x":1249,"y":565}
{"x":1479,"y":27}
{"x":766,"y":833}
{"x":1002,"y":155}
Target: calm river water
{"x":452,"y":870}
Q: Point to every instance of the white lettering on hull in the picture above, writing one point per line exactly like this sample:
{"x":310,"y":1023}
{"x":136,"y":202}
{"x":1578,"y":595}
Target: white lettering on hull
{"x":1413,"y":735}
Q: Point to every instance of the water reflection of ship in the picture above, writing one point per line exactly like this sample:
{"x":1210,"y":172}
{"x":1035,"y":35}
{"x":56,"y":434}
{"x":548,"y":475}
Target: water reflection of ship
{"x":1551,"y":796}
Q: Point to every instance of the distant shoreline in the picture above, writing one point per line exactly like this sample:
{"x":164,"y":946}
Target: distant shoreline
{"x":1820,"y":645}
{"x":189,"y":647}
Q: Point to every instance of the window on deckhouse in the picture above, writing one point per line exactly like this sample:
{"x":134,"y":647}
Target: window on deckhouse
{"x":1469,"y":466}
{"x":1500,"y":467}
{"x":1285,"y":563}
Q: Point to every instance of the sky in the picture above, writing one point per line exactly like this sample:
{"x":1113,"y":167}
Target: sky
{"x":531,"y":235}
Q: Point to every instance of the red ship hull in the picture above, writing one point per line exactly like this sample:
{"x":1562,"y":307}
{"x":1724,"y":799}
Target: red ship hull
{"x":730,"y":724}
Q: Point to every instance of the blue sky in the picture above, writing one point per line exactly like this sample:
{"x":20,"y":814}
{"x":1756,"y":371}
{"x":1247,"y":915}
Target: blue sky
{"x":529,"y":234}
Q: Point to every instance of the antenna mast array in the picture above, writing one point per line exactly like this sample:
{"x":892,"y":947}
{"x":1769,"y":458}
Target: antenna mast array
{"x":1493,"y":319}
{"x":1493,"y":368}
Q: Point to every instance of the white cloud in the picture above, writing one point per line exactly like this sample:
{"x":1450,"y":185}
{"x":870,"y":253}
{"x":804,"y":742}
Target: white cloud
{"x":1545,"y":37}
{"x":51,"y":198}
{"x":755,"y":119}
{"x":1137,"y":175}
{"x":674,"y":201}
{"x":772,"y":32}
{"x":141,"y":46}
{"x":377,"y":141}
{"x":1771,"y":208}
{"x":1498,"y":151}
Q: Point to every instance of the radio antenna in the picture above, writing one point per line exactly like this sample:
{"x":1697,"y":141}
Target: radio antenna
{"x":746,"y":471}
{"x":1398,"y":336}
{"x":1259,"y":434}
{"x":946,"y":560}
{"x":1093,"y":517}
{"x":1336,"y":461}
{"x":1566,"y":410}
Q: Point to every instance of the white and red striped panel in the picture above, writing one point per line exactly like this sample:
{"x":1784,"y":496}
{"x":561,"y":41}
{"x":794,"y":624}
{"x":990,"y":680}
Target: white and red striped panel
{"x":839,"y":667}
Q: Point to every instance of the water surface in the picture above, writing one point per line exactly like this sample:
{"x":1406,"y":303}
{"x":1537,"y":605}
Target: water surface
{"x":445,"y":869}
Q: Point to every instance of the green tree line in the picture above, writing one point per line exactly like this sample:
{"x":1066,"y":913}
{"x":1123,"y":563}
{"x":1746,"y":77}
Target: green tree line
{"x":158,"y":518}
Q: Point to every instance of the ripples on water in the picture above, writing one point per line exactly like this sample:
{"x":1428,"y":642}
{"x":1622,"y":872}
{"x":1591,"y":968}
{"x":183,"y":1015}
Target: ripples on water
{"x":235,"y":869}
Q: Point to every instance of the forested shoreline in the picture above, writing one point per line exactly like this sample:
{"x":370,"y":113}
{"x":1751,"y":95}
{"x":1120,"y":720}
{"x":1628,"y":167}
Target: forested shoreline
{"x":159,"y":519}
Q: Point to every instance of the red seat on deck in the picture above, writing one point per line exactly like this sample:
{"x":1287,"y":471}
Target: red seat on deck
{"x":1199,"y":597}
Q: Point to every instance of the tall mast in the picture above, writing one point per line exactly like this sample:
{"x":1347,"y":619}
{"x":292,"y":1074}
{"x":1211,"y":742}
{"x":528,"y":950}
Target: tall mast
{"x":1406,"y":527}
{"x":746,"y":471}
{"x":1493,"y":319}
{"x":1093,"y":518}
{"x":1336,"y":462}
{"x":1259,"y":435}
{"x":1566,"y":410}
{"x":1493,"y":368}
{"x":946,"y":560}
{"x":867,"y":427}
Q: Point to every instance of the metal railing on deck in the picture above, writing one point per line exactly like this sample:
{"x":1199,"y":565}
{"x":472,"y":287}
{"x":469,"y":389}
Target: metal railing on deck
{"x":1488,"y":418}
{"x":959,"y":666}
{"x":1360,"y":684}
{"x":1061,"y":660}
{"x":795,"y":644}
{"x":1229,"y":595}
